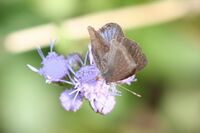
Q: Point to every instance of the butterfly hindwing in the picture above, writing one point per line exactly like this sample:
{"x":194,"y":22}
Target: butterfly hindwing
{"x":135,"y":51}
{"x":111,"y":31}
{"x":120,"y":64}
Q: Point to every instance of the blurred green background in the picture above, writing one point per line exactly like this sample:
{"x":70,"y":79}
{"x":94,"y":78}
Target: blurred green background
{"x":169,"y":85}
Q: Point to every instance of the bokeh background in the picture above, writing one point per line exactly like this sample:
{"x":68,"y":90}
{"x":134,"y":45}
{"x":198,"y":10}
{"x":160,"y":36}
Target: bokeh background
{"x":169,"y":85}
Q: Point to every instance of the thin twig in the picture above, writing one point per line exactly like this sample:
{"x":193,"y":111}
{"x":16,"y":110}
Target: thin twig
{"x":128,"y":17}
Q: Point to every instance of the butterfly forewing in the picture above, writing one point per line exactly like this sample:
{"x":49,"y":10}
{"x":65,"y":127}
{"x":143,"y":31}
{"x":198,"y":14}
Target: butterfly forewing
{"x":99,"y":48}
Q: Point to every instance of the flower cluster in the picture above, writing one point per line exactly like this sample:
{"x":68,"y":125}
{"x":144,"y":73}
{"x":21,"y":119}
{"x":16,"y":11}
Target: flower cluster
{"x":83,"y":76}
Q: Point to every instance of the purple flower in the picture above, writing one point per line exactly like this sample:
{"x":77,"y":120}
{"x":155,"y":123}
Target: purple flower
{"x":86,"y":80}
{"x":103,"y":104}
{"x":54,"y":67}
{"x":74,"y":60}
{"x":94,"y":88}
{"x":68,"y":101}
{"x":89,"y":84}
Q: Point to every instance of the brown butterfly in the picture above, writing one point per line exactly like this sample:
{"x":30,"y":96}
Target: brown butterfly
{"x":116,"y":56}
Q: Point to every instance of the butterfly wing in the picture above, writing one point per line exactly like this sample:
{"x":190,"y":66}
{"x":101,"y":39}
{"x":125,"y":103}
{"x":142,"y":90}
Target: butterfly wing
{"x":116,"y":56}
{"x":100,"y":43}
{"x":100,"y":48}
{"x":120,"y":63}
{"x":111,"y":31}
{"x":135,"y":51}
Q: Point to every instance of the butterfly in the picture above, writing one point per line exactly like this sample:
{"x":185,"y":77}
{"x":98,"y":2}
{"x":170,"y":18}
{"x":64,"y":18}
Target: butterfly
{"x":116,"y":56}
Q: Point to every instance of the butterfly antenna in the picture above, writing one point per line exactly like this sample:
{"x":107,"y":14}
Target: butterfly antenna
{"x":134,"y":93}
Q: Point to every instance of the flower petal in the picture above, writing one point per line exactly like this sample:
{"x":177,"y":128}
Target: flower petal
{"x":91,"y":59}
{"x":68,"y":101}
{"x":74,"y":60}
{"x":128,"y":80}
{"x":87,"y":74}
{"x":103,"y":104}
